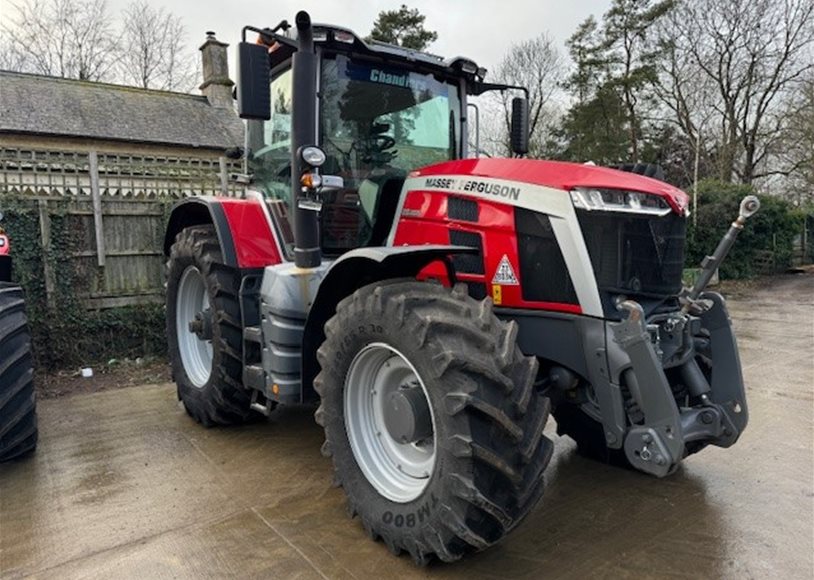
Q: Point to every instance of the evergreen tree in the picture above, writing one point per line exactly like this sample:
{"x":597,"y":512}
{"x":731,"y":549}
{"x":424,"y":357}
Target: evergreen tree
{"x":403,"y":27}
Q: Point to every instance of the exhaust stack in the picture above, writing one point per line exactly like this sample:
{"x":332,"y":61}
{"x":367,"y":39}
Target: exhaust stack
{"x":307,"y":253}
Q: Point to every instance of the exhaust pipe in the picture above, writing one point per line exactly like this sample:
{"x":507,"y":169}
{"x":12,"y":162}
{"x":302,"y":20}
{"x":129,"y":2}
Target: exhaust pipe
{"x":307,"y":253}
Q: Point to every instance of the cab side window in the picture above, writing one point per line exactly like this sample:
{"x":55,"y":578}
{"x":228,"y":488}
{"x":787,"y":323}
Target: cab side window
{"x":270,"y":142}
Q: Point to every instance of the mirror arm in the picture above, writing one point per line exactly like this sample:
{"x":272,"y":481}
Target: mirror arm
{"x":268,"y":33}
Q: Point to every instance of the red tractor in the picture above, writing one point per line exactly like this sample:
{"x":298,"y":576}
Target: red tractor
{"x":18,"y":415}
{"x":437,"y":308}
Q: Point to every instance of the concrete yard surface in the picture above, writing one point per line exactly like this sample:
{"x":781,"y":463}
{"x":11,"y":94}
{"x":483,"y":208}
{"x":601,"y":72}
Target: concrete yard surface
{"x":125,"y":485}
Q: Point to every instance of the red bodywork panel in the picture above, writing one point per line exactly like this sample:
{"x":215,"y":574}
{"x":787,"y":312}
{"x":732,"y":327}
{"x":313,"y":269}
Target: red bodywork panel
{"x":425,"y":218}
{"x":251,"y":233}
{"x":426,"y":222}
{"x":560,"y":175}
{"x":5,"y":248}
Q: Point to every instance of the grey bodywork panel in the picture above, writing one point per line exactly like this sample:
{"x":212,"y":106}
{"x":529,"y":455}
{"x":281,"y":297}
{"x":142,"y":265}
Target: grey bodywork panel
{"x":296,"y":303}
{"x":286,"y":296}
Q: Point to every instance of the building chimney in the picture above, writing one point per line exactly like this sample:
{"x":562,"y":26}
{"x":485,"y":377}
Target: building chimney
{"x":217,"y":86}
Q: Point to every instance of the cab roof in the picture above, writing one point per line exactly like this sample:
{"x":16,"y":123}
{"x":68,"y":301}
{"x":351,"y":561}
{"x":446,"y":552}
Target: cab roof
{"x":345,"y":40}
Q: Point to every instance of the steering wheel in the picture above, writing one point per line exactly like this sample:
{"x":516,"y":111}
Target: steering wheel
{"x":374,"y":149}
{"x":382,"y":142}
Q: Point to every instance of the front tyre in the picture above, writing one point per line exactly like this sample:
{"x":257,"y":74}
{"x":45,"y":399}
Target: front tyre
{"x":431,"y":418}
{"x":204,"y":329}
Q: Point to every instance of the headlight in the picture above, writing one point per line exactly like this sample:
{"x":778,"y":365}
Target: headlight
{"x":619,"y":201}
{"x":313,"y":156}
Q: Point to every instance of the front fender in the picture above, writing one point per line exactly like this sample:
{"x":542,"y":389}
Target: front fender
{"x":353,"y":270}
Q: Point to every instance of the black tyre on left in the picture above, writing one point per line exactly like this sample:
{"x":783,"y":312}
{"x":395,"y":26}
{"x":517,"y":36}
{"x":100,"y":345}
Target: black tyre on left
{"x":18,"y":413}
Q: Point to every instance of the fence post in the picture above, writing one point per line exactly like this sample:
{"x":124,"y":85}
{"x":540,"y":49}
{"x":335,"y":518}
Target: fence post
{"x":45,"y":241}
{"x":93,"y":159}
{"x":224,"y":175}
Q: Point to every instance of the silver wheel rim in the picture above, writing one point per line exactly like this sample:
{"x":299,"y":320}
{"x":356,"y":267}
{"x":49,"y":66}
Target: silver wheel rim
{"x":196,"y":354}
{"x":398,"y":471}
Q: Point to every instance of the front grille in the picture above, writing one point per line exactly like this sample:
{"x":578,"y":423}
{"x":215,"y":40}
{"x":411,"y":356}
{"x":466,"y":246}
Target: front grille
{"x":467,"y":263}
{"x":635,"y":254}
{"x":462,"y":209}
{"x":544,"y":276}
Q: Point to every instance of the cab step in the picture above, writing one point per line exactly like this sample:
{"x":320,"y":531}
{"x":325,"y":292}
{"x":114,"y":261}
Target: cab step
{"x":253,"y":334}
{"x":254,"y":377}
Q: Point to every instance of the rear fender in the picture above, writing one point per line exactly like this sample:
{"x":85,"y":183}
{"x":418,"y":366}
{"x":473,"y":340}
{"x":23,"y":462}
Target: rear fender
{"x":353,"y":270}
{"x":242,"y":225}
{"x":195,"y":211}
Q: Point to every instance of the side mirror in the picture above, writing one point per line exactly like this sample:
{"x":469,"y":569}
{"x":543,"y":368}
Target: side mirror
{"x":520,"y":126}
{"x":253,"y":77}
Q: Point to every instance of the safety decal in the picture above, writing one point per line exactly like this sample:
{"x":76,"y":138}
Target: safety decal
{"x":497,"y":294}
{"x":505,"y":273}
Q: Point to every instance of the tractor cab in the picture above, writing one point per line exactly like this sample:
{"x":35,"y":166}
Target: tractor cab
{"x":377,"y":112}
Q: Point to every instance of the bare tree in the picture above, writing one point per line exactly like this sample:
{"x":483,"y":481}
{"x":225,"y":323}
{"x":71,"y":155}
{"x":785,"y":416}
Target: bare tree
{"x":64,"y":38}
{"x":154,"y":55}
{"x":536,"y":64}
{"x":754,"y":55}
{"x":794,"y":154}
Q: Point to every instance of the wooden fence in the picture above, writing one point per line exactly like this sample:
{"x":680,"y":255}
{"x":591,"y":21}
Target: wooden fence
{"x":114,"y":208}
{"x":115,"y":257}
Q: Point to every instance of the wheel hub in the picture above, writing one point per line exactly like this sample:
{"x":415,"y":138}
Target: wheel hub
{"x":193,"y":324}
{"x":407,"y":415}
{"x":389,"y":422}
{"x":201,"y":325}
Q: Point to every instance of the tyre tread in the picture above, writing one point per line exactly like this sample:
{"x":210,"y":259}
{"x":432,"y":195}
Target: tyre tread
{"x":18,"y":412}
{"x":508,"y":452}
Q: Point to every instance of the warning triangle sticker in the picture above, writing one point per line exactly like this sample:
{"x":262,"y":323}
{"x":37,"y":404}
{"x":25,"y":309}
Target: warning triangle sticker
{"x":505,"y":273}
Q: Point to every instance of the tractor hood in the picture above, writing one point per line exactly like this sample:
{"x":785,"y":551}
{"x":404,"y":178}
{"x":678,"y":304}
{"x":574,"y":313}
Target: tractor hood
{"x":560,"y":175}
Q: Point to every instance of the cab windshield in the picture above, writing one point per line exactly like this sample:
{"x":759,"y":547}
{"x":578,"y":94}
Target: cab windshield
{"x":376,"y":119}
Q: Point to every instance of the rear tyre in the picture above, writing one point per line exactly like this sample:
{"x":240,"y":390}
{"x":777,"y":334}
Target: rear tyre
{"x":18,"y":414}
{"x":469,"y":465}
{"x":207,"y":367}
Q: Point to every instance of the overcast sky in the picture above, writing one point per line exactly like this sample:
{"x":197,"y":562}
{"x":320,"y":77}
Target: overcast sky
{"x":479,"y":29}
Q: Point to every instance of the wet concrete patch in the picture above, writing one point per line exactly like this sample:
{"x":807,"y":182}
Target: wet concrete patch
{"x":125,"y":485}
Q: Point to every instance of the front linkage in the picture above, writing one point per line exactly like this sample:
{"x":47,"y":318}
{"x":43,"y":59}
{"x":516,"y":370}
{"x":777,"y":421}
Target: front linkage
{"x":696,"y":348}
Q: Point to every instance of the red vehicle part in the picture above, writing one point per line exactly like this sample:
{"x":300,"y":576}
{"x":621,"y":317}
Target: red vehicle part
{"x":255,"y":245}
{"x":560,"y":175}
{"x":494,"y":232}
{"x":243,"y":227}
